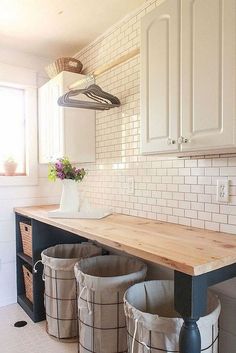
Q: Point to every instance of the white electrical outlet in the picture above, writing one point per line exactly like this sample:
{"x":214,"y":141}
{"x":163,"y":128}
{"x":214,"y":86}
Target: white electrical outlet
{"x":222,"y":192}
{"x":130,"y":186}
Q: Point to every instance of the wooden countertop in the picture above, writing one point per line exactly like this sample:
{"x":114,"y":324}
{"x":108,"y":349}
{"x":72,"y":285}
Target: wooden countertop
{"x":190,"y":250}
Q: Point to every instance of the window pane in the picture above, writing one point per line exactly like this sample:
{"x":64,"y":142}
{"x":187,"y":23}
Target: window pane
{"x":12,"y":125}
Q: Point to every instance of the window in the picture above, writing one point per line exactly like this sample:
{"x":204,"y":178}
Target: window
{"x":12,"y":127}
{"x":18,"y":125}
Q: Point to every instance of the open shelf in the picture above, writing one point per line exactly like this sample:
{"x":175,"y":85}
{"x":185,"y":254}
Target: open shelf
{"x":43,"y":236}
{"x":25,"y":258}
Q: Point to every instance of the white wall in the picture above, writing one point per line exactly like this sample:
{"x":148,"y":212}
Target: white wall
{"x":175,"y":190}
{"x":13,"y":57}
{"x":10,"y":197}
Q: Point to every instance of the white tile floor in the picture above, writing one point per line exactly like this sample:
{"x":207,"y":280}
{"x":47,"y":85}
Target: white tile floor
{"x":29,"y":339}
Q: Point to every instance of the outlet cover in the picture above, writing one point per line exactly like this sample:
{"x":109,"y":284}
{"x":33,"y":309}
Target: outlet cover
{"x":222,"y":191}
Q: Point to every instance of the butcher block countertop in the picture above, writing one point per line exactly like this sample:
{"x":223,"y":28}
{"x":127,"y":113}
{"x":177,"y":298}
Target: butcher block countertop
{"x":190,"y":250}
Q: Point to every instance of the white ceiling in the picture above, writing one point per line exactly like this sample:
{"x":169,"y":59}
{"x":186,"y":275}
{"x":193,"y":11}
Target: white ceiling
{"x":54,"y":28}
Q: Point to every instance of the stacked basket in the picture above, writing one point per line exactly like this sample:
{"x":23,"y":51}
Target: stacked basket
{"x":64,"y":64}
{"x":26,"y":237}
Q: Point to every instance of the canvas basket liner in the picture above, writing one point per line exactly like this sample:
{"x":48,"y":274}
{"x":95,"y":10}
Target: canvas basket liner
{"x":60,"y":286}
{"x":153,"y":324}
{"x":102,"y":282}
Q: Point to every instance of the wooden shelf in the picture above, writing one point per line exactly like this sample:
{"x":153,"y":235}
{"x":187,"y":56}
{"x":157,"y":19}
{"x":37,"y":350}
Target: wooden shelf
{"x":25,"y":258}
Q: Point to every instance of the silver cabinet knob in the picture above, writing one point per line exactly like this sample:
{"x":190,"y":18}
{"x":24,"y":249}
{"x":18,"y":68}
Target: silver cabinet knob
{"x":170,"y":141}
{"x":182,"y":139}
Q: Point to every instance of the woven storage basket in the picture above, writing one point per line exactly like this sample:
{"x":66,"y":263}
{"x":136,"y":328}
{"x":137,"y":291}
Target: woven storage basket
{"x":64,"y":64}
{"x":26,"y":236}
{"x":28,"y":280}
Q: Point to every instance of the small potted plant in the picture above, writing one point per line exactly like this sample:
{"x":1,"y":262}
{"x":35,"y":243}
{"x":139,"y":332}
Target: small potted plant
{"x":10,"y":166}
{"x":62,"y":169}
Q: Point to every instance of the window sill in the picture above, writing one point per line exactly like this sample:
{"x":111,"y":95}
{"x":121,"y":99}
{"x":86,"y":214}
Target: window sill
{"x":18,"y":180}
{"x":13,"y":175}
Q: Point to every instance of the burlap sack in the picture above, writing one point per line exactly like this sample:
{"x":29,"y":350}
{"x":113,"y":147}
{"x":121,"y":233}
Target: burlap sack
{"x":102,"y":282}
{"x":154,"y":325}
{"x":60,"y":286}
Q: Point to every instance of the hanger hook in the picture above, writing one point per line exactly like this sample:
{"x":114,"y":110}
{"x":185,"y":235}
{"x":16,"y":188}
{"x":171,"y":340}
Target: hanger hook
{"x":90,"y":78}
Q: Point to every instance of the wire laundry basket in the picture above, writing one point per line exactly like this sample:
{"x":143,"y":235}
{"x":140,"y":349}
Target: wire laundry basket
{"x":60,"y":287}
{"x":154,"y":326}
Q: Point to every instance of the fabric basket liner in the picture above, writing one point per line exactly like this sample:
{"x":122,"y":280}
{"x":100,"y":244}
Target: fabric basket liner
{"x":60,"y":286}
{"x":102,"y":282}
{"x":149,"y":310}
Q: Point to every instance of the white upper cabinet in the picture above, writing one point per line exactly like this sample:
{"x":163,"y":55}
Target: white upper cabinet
{"x":160,"y":78}
{"x":208,"y":74}
{"x":203,"y":103}
{"x":64,"y":131}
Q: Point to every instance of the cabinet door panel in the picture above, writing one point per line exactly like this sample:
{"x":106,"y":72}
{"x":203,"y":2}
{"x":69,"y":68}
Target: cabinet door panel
{"x":64,"y":131}
{"x":44,"y":125}
{"x":56,"y":121}
{"x":208,"y":74}
{"x":160,"y":78}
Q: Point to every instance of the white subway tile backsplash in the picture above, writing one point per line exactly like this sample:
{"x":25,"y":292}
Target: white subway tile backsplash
{"x":228,"y":171}
{"x":184,"y":171}
{"x":197,"y":171}
{"x":212,"y":208}
{"x":204,"y":198}
{"x":204,"y":162}
{"x":199,"y":206}
{"x":206,"y":180}
{"x":190,"y":163}
{"x":206,"y":216}
{"x":232,"y":220}
{"x":219,"y":162}
{"x":191,"y":180}
{"x":197,"y":223}
{"x":212,"y":226}
{"x":166,"y":188}
{"x":228,"y":228}
{"x":191,"y":214}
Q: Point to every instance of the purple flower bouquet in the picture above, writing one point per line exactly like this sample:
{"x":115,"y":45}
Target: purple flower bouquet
{"x":63,"y":169}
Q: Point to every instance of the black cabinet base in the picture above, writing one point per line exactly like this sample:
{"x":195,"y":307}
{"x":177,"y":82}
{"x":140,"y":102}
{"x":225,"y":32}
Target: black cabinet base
{"x":43,"y":236}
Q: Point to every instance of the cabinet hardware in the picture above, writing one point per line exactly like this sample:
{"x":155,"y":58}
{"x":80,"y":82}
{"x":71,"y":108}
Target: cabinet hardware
{"x":170,"y":141}
{"x":182,"y":139}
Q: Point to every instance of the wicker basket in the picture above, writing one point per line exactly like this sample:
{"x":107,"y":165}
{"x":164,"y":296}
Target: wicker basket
{"x":64,"y":64}
{"x":26,"y":236}
{"x":28,"y":280}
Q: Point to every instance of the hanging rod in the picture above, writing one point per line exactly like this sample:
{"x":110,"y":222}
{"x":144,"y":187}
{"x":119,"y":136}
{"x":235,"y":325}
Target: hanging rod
{"x":104,"y":68}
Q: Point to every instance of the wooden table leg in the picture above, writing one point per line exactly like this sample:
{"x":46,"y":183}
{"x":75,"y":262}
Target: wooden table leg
{"x":190,"y":302}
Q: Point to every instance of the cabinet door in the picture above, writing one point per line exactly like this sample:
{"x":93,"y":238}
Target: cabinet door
{"x":208,"y":74}
{"x":56,"y":121}
{"x":63,"y":131}
{"x":51,"y":143}
{"x":44,"y":124}
{"x":79,"y":134}
{"x":160,"y":78}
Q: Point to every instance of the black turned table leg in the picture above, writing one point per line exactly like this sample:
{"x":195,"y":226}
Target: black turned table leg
{"x":190,"y":302}
{"x":190,"y":339}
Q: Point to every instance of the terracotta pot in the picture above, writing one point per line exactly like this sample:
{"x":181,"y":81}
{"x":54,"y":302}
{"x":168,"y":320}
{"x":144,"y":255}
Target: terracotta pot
{"x":10,"y":168}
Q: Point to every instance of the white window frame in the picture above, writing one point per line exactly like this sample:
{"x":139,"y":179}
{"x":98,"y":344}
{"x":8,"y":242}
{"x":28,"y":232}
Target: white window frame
{"x":22,"y":78}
